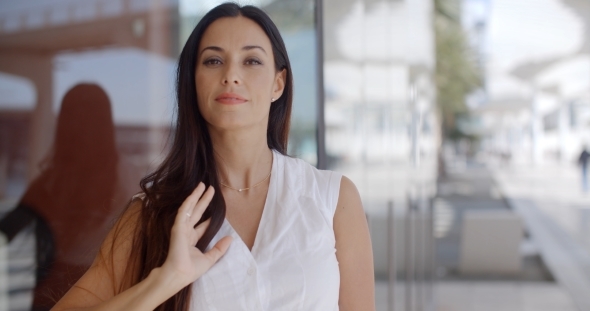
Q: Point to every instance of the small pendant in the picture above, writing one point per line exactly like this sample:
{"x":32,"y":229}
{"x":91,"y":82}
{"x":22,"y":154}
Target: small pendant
{"x":240,"y":190}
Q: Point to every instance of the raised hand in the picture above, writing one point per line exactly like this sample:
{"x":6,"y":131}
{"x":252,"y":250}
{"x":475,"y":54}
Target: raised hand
{"x":185,"y":262}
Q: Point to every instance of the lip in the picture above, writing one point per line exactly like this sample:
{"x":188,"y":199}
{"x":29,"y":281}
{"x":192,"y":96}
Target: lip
{"x":230,"y":99}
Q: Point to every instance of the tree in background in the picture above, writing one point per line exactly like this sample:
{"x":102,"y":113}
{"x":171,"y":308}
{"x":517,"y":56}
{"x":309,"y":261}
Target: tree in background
{"x":457,"y":73}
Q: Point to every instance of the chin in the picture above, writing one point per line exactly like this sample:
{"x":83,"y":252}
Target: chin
{"x":229,"y":125}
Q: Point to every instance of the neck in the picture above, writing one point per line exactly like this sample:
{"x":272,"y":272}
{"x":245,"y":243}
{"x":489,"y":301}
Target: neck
{"x":243,"y":156}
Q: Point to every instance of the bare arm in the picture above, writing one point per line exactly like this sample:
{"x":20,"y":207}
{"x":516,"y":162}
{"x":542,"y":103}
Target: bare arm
{"x":354,"y":251}
{"x":184,"y":264}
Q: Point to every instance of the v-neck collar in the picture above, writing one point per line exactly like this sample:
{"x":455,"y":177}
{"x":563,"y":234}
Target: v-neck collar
{"x":270,"y":194}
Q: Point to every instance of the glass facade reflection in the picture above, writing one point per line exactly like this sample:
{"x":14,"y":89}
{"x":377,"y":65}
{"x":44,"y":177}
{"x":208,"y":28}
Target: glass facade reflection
{"x":86,"y":106}
{"x":87,"y":103}
{"x":85,"y":110}
{"x":382,"y":132}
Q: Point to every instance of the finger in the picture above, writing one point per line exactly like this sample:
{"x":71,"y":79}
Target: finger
{"x":218,"y":250}
{"x":201,"y":205}
{"x":186,"y":207}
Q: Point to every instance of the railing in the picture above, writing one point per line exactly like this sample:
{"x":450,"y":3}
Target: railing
{"x":3,"y":273}
{"x":54,"y":14}
{"x":418,"y":254}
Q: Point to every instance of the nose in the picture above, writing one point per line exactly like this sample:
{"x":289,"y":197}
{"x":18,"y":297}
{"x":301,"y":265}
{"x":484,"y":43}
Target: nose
{"x":231,"y":75}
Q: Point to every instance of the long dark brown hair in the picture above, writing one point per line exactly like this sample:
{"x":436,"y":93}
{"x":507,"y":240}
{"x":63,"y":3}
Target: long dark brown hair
{"x":191,"y":158}
{"x":71,"y":200}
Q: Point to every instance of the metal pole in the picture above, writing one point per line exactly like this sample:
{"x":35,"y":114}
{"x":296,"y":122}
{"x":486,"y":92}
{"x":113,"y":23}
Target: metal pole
{"x":409,"y":255}
{"x":420,"y":247}
{"x":3,"y":272}
{"x":321,"y":126}
{"x":431,"y":255}
{"x":391,"y":272}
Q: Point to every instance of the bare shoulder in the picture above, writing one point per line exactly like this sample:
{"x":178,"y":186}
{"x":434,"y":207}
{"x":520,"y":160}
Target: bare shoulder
{"x":104,"y":279}
{"x":353,"y":250}
{"x":349,"y":197}
{"x":349,"y":210}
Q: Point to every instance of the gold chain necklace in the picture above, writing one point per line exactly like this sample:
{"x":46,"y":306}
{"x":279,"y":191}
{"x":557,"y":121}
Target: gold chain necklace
{"x":244,"y":189}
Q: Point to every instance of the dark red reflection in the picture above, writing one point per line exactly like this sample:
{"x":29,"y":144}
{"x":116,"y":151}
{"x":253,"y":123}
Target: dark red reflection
{"x":76,"y":196}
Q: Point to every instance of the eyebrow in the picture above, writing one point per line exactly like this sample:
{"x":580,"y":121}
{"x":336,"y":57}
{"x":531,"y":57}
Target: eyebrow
{"x":245,"y":48}
{"x":251,"y":47}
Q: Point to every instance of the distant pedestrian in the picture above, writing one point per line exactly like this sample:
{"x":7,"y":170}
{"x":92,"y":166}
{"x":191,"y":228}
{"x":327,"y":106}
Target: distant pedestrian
{"x":583,"y":162}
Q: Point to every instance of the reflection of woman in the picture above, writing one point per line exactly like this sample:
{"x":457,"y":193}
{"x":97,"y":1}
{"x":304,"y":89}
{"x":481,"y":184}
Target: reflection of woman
{"x":271,"y":232}
{"x":74,"y":193}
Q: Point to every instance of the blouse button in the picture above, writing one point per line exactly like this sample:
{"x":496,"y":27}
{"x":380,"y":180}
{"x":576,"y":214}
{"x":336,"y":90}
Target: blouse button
{"x":251,"y":271}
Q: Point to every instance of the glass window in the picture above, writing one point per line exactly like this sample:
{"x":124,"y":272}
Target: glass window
{"x":86,"y":106}
{"x":381,"y":131}
{"x":86,"y":97}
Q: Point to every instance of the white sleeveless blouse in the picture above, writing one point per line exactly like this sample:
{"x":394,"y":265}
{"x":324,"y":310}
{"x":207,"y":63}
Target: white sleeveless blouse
{"x":292,"y":265}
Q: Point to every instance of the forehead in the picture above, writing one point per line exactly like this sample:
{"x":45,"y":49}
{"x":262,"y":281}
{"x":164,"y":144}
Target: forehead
{"x":234,"y":32}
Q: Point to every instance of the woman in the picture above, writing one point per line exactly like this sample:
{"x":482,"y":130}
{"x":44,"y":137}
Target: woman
{"x":271,"y":232}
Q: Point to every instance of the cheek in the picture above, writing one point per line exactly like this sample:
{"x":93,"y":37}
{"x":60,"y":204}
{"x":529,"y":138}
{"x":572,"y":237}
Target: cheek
{"x":200,"y":83}
{"x":262,"y":84}
{"x":201,"y":87}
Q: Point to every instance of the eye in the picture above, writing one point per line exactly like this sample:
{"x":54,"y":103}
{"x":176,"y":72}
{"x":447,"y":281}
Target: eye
{"x":253,"y":61}
{"x":212,"y":61}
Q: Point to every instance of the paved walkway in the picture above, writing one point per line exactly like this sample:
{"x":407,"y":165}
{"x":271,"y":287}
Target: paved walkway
{"x":556,"y":211}
{"x":458,"y":193}
{"x":502,"y":296}
{"x":556,"y":190}
{"x":473,"y":188}
{"x":477,"y":186}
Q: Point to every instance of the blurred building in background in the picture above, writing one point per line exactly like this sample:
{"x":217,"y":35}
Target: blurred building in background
{"x":513,"y":171}
{"x":538,"y":87}
{"x":460,"y":121}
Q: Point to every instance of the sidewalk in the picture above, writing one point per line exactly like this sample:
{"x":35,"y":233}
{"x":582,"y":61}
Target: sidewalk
{"x":556,"y":190}
{"x":502,"y":296}
{"x":473,"y":186}
{"x":556,"y":213}
{"x":467,"y":189}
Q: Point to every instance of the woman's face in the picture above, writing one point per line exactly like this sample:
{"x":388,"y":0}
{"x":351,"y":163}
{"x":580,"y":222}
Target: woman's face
{"x":235,"y":75}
